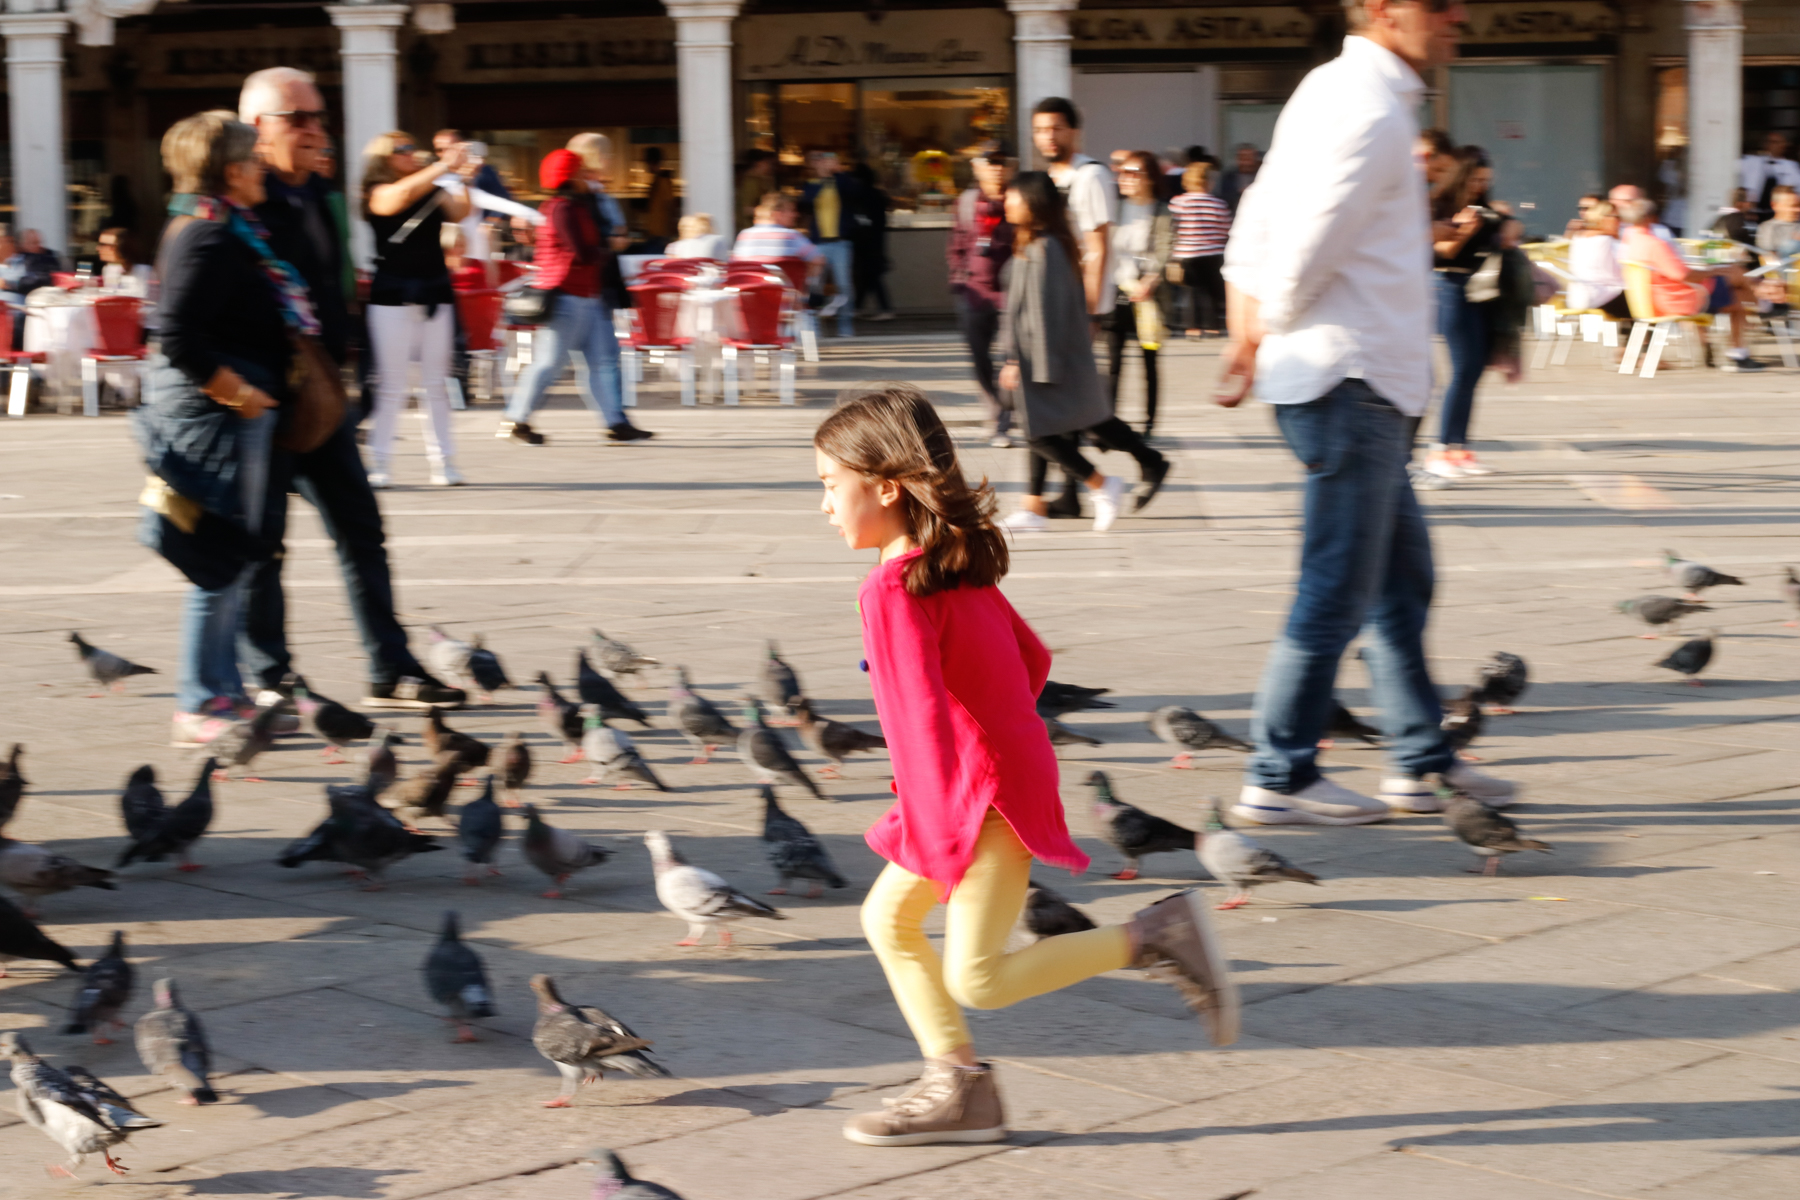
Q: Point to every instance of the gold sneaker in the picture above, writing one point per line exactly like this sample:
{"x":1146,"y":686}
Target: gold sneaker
{"x":947,"y":1104}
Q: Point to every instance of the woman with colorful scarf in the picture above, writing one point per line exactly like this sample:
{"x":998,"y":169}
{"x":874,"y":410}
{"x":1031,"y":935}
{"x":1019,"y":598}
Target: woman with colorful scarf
{"x":229,"y":313}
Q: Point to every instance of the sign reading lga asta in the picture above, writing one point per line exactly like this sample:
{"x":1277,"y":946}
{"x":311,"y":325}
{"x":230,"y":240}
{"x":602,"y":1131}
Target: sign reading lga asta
{"x":850,"y":46}
{"x":1268,"y":28}
{"x":1547,"y":21}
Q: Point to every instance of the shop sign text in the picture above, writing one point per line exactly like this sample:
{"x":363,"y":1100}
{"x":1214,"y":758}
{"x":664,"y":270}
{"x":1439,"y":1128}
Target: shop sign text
{"x":1549,"y":21}
{"x":847,"y":45}
{"x":1191,"y":29}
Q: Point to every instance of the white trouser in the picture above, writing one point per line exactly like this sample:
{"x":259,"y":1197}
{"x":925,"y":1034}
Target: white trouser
{"x":402,"y":335}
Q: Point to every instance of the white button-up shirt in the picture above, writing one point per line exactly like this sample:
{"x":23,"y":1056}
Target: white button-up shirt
{"x":1754,"y":170}
{"x":1334,"y":237}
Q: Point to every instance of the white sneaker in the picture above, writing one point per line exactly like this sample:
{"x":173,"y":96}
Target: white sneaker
{"x":1404,"y":794}
{"x":1495,"y":793}
{"x":379,"y":480}
{"x":1023,"y":520}
{"x":1321,"y":802}
{"x":830,"y":307}
{"x":1106,"y":503}
{"x":448,"y":477}
{"x":1443,"y":468}
{"x":1001,"y":442}
{"x":1468,"y":464}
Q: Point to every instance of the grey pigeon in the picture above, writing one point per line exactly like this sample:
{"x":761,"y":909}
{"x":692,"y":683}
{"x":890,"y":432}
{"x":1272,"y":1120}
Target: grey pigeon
{"x":778,"y":684}
{"x":619,"y":658}
{"x":561,"y":717}
{"x":20,"y":938}
{"x":336,"y":725}
{"x":426,"y":794}
{"x":1047,"y":914}
{"x":763,"y":752}
{"x":108,"y":670}
{"x":1489,"y":833}
{"x":515,"y":767}
{"x":831,"y":739}
{"x":175,"y":830}
{"x":1342,"y":723}
{"x":383,"y":767}
{"x":12,"y":784}
{"x":1660,"y":610}
{"x":485,"y":669}
{"x":557,"y":852}
{"x":360,"y":833}
{"x":613,"y":1182}
{"x":699,"y":722}
{"x":584,"y":1041}
{"x":479,"y":828}
{"x":455,"y":978}
{"x":1062,"y":735}
{"x":1462,"y":723}
{"x":1132,"y":831}
{"x":448,"y":657}
{"x":242,"y":741}
{"x":1691,"y":657}
{"x":1790,"y":591}
{"x":1237,"y":861}
{"x":1060,"y":699}
{"x":1190,"y":732}
{"x":35,"y":872}
{"x":595,"y":688}
{"x":141,"y":804}
{"x":698,"y":896}
{"x":440,"y":740}
{"x":1695,"y":577}
{"x":171,"y":1043}
{"x":74,"y":1109}
{"x":105,"y":990}
{"x":793,"y":850}
{"x":1502,"y":680}
{"x":613,"y":753}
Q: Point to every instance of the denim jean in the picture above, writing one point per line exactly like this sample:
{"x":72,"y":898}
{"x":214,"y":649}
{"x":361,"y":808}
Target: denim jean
{"x":980,"y":324}
{"x":333,"y":480}
{"x":1465,"y":329}
{"x":840,"y":260}
{"x":211,"y":617}
{"x":1365,"y":564}
{"x":578,"y":324}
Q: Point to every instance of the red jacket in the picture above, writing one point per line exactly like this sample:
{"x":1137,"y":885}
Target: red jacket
{"x":569,"y":252}
{"x":980,"y":243}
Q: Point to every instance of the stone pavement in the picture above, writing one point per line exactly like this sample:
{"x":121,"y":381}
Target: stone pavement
{"x":1616,"y":1019}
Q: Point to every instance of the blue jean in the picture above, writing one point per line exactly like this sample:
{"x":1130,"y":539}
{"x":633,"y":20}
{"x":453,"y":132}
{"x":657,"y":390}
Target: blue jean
{"x":840,"y":260}
{"x":1365,"y":564}
{"x":211,"y":617}
{"x":578,"y":324}
{"x":1466,"y":330}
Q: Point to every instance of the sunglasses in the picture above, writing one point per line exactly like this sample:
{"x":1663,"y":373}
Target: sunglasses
{"x":406,"y":149}
{"x":1131,"y":170}
{"x":300,"y":118}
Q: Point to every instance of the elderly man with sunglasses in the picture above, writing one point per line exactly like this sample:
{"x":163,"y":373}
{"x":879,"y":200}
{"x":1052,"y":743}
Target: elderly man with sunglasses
{"x":285,"y":106}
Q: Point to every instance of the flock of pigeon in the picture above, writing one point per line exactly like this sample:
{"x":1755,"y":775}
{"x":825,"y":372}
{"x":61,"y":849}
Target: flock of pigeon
{"x":1692,"y":656}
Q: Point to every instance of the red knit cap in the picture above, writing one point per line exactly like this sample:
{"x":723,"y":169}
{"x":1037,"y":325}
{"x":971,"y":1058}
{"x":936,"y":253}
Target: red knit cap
{"x":558,"y":167}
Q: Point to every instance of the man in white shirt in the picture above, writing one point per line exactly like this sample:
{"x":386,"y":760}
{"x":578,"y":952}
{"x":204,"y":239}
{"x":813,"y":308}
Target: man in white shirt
{"x":1093,"y":196}
{"x":1761,"y":174}
{"x":1329,"y":269}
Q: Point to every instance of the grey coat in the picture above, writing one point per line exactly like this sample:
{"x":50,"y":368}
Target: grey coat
{"x":1046,"y":330}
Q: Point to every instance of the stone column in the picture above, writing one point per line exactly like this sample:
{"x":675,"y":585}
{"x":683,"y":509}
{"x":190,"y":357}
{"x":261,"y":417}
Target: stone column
{"x":703,"y":55}
{"x":34,"y":84}
{"x":1715,"y":84}
{"x":1041,"y":37}
{"x":371,"y":92}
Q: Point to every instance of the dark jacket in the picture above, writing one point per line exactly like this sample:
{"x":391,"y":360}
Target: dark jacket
{"x":850,"y":201}
{"x":303,"y":231}
{"x":219,"y":309}
{"x":1045,"y":328}
{"x":977,"y":261}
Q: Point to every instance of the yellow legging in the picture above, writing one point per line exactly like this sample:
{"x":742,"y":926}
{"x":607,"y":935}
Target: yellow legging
{"x":975,"y":971}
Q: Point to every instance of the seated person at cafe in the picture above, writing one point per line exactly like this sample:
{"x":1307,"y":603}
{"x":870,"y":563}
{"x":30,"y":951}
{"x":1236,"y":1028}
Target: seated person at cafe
{"x":696,"y":239}
{"x":1679,"y":290}
{"x":1595,"y":281}
{"x":774,"y":237}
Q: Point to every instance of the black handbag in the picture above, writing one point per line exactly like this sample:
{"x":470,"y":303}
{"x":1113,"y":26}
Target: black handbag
{"x":529,"y":306}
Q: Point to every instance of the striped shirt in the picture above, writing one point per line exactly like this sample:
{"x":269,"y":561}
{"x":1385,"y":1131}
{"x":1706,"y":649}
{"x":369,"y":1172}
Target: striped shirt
{"x":766,"y":243}
{"x":1202,"y":222}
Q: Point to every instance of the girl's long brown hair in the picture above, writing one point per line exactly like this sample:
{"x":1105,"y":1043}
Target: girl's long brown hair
{"x":1049,"y":214}
{"x":891,"y":431}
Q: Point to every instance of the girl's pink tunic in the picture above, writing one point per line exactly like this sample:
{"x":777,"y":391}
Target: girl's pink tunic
{"x":956,"y":677}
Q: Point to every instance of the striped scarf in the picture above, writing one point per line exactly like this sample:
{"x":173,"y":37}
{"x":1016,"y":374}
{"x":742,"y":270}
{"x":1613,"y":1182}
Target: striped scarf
{"x":290,"y":289}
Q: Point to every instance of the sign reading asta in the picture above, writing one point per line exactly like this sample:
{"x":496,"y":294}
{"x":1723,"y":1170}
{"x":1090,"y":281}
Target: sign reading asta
{"x":622,"y":48}
{"x":1549,"y":21}
{"x":1191,"y":29}
{"x":849,"y":46}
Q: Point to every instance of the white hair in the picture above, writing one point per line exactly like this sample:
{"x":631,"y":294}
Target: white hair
{"x":262,"y":91}
{"x":593,"y":149}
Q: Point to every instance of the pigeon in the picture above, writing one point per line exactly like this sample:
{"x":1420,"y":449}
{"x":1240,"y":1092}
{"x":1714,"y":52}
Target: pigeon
{"x":1502,"y":680}
{"x":613,"y":753}
{"x":105,"y":990}
{"x":1060,"y":699}
{"x":141,"y":804}
{"x":72,"y":1107}
{"x":1343,"y":724}
{"x":613,"y":1182}
{"x":831,"y":739}
{"x":448,"y":656}
{"x":1790,"y":591}
{"x":1062,"y":735}
{"x":780,"y":686}
{"x":1660,"y":610}
{"x":700,"y":723}
{"x":584,"y":1041}
{"x":337,"y":725}
{"x":763,"y":752}
{"x":1048,"y":914}
{"x":33,"y":871}
{"x":455,"y":979}
{"x":360,"y":833}
{"x":793,"y":850}
{"x":619,"y":658}
{"x":479,"y":829}
{"x":698,"y":896}
{"x":12,"y":784}
{"x":561,"y":717}
{"x":1695,"y":577}
{"x":239,"y":745}
{"x":440,"y":739}
{"x":1490,"y":833}
{"x":515,"y":767}
{"x":21,"y":938}
{"x":1691,"y":657}
{"x":172,"y":830}
{"x":171,"y":1043}
{"x":595,"y":688}
{"x":1132,"y":831}
{"x":426,"y":794}
{"x":383,"y":767}
{"x":557,"y":852}
{"x":1187,"y":729}
{"x":486,"y":671}
{"x":1235,"y":860}
{"x":1462,"y":724}
{"x":108,"y":670}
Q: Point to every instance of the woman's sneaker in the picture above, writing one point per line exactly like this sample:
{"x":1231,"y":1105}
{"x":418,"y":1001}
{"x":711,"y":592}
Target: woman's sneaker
{"x":1152,"y":482}
{"x":1107,"y":503}
{"x":1468,"y":464}
{"x":1023,"y":520}
{"x":1444,"y":467}
{"x":448,"y":477}
{"x":625,"y":431}
{"x":1176,"y":943}
{"x":948,"y":1104}
{"x":519,"y":431}
{"x":191,"y":731}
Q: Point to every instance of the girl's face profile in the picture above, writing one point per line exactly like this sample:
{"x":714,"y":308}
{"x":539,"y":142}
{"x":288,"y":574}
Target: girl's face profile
{"x":865,"y":513}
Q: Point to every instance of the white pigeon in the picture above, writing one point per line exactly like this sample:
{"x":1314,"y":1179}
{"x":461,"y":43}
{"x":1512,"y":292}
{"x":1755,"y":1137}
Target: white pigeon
{"x":1234,"y":859}
{"x":449,"y":658}
{"x":74,"y":1109}
{"x":613,"y":752}
{"x":698,"y":896}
